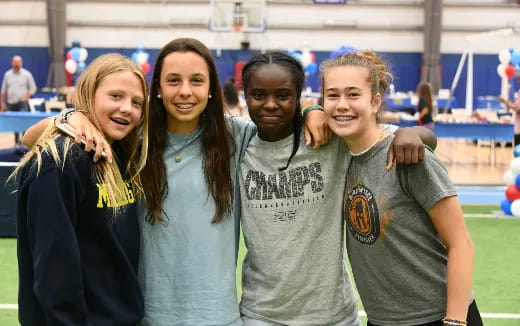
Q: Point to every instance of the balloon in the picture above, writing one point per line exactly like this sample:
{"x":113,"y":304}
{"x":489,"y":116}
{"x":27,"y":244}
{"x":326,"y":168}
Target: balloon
{"x":515,"y":208}
{"x":512,"y":193}
{"x":516,"y":151}
{"x":510,"y":71}
{"x":514,"y":166}
{"x":342,"y":50}
{"x":311,"y":68}
{"x":501,"y":70}
{"x":505,"y":205}
{"x":515,"y":58}
{"x":145,"y":67}
{"x":307,"y":58}
{"x":142,"y":58}
{"x":517,"y":181}
{"x":76,"y":53}
{"x":76,"y":44}
{"x":134,"y":57}
{"x":83,"y":54}
{"x":296,"y":55}
{"x":68,"y":55}
{"x":509,"y":178}
{"x":71,"y":66}
{"x":504,"y":56}
{"x":81,"y":66}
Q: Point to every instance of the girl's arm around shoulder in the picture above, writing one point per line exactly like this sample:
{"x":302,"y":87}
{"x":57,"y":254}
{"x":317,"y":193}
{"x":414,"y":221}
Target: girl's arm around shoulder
{"x":408,"y":144}
{"x":240,"y":130}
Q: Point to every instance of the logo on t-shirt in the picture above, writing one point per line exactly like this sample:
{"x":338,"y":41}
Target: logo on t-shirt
{"x":301,"y":181}
{"x":362,"y":214}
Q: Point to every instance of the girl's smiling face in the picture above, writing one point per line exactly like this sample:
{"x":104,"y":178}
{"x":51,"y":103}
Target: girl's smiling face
{"x":349,"y":105}
{"x":184,"y":88}
{"x":118,"y":104}
{"x":272,"y":100}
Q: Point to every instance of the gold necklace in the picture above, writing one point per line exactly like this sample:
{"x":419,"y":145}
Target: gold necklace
{"x":369,"y":147}
{"x":177,"y":152}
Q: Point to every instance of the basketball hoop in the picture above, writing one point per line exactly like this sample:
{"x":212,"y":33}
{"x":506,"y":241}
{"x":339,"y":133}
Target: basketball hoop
{"x":237,"y":27}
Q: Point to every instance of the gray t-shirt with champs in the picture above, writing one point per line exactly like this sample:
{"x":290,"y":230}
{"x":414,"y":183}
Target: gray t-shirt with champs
{"x":294,"y":272}
{"x":398,"y":260}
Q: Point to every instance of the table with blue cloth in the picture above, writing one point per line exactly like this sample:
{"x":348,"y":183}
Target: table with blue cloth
{"x":21,"y":121}
{"x":488,"y":131}
{"x":404,"y":104}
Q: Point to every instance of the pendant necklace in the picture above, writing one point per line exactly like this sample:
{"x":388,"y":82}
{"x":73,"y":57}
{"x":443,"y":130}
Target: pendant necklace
{"x":177,"y":151}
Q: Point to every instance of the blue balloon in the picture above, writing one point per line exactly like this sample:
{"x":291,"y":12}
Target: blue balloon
{"x":342,"y":50}
{"x":134,"y":57}
{"x":75,"y":53}
{"x":311,"y":68}
{"x":297,"y":56}
{"x":76,"y":44}
{"x":81,"y":66}
{"x":517,"y":181}
{"x":515,"y":58}
{"x":505,"y":205}
{"x":516,"y":151}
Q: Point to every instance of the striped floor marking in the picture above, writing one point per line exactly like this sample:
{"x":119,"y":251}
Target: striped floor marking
{"x":361,"y":313}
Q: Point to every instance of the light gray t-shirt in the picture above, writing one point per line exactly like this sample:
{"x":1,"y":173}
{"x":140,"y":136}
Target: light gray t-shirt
{"x":398,"y":260}
{"x":294,"y":271}
{"x":17,"y":84}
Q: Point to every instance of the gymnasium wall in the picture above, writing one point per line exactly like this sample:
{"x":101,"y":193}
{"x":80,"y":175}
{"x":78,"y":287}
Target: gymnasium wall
{"x":392,"y":28}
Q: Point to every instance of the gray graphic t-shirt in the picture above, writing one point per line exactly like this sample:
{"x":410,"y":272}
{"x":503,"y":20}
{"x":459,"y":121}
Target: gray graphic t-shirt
{"x":398,"y":260}
{"x":294,"y":272}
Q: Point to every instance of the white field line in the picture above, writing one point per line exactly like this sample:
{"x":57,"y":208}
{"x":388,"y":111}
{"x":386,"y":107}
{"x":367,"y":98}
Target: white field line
{"x":361,"y":313}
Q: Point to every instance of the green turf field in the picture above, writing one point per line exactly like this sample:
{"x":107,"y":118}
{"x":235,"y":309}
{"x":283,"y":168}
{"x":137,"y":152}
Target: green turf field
{"x":496,"y":275}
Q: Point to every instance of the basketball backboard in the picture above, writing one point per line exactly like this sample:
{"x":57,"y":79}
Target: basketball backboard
{"x":247,"y":16}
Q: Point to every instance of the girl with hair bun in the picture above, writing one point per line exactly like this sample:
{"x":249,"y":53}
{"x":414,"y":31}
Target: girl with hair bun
{"x":410,"y":250}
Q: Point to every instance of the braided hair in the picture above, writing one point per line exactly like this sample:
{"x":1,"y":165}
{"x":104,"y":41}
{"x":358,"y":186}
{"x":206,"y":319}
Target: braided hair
{"x":294,"y":67}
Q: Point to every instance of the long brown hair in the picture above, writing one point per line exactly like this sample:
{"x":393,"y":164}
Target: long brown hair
{"x":424,"y":92}
{"x":133,"y":150}
{"x":216,"y":147}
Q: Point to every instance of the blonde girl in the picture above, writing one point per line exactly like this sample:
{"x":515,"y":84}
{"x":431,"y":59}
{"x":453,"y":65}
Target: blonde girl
{"x":78,"y":237}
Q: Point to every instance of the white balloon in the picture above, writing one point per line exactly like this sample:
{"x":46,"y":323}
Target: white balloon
{"x":501,"y":70}
{"x":504,"y":56}
{"x":142,"y":58}
{"x":515,"y":208}
{"x":515,"y":165}
{"x":509,"y":178}
{"x":306,"y":58}
{"x":71,"y":66}
{"x":83,"y":54}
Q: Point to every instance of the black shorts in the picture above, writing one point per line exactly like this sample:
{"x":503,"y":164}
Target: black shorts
{"x":473,"y":318}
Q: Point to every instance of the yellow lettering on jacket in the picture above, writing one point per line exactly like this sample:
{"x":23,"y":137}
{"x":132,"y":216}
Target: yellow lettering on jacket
{"x":104,"y":199}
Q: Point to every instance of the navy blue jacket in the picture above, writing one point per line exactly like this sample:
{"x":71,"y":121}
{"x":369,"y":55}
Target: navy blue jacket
{"x":77,"y":261}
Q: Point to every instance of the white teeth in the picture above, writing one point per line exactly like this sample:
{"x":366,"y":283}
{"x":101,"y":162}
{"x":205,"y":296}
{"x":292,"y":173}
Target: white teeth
{"x":184,"y":106}
{"x":344,"y":119}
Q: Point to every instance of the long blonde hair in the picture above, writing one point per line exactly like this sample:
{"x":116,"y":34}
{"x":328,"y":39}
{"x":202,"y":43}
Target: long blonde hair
{"x":133,"y":148}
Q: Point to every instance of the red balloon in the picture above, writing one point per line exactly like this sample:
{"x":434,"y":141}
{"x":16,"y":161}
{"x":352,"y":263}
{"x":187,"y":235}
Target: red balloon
{"x":512,"y":193}
{"x":510,"y":71}
{"x":145,"y":67}
{"x":68,"y":55}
